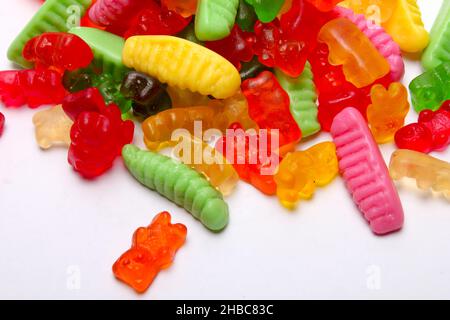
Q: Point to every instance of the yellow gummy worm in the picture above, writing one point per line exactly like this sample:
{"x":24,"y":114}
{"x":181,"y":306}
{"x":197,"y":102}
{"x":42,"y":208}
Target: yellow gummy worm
{"x":183,"y":64}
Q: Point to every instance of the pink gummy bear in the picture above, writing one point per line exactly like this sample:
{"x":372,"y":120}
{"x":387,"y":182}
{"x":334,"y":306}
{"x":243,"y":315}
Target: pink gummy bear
{"x":365,"y":172}
{"x":380,"y":39}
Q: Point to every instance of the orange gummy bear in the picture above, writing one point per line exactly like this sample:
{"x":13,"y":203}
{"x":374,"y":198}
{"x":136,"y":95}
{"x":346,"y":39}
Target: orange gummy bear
{"x":186,"y":8}
{"x":386,"y":114}
{"x":153,"y":248}
{"x":349,"y":46}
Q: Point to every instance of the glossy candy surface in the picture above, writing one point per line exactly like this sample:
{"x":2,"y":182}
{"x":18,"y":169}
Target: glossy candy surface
{"x":303,"y":96}
{"x":58,"y":51}
{"x":439,"y":49}
{"x":429,"y":172}
{"x":153,"y":248}
{"x":269,"y":107}
{"x":2,"y":123}
{"x":185,"y":8}
{"x":386,"y":114}
{"x":31,"y":87}
{"x":431,"y":88}
{"x":198,"y":69}
{"x":266,"y":10}
{"x":365,"y":173}
{"x":430,"y":133}
{"x":349,"y":47}
{"x":300,"y":172}
{"x":52,"y":127}
{"x":178,"y":183}
{"x":215,"y":19}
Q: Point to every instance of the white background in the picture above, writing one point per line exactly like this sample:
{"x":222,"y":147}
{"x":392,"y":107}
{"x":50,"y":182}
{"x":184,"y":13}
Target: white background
{"x":56,"y":228}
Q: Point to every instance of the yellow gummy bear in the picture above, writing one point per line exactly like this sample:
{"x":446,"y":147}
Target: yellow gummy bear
{"x":183,"y":64}
{"x":52,"y":127}
{"x":400,"y":18}
{"x":205,"y":159}
{"x":300,"y":172}
{"x":388,"y":110}
{"x":429,"y":172}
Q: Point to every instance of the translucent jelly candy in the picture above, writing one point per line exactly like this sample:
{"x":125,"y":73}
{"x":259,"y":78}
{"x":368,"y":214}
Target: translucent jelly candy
{"x":153,"y":249}
{"x":400,"y":18}
{"x":186,"y":98}
{"x":52,"y":127}
{"x":431,"y":88}
{"x":324,"y":5}
{"x":429,"y":172}
{"x":58,"y":51}
{"x":255,"y":161}
{"x":246,"y":16}
{"x":269,"y":107}
{"x":349,"y":47}
{"x":236,"y":48}
{"x":438,"y":51}
{"x":200,"y":156}
{"x":186,"y":8}
{"x":388,"y":110}
{"x":303,"y":96}
{"x":157,"y":20}
{"x":31,"y":87}
{"x":266,"y":10}
{"x":365,"y":173}
{"x":148,"y":94}
{"x":87,"y":100}
{"x":300,"y":172}
{"x":97,"y":137}
{"x":178,"y":183}
{"x":215,"y":19}
{"x":53,"y":16}
{"x":380,"y":39}
{"x":199,"y":69}
{"x":430,"y":133}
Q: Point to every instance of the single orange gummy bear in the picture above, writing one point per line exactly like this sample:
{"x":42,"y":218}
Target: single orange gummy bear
{"x":153,"y":248}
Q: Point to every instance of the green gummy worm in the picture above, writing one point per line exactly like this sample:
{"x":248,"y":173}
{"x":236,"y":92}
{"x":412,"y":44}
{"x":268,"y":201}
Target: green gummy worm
{"x":53,"y":16}
{"x":107,"y":49}
{"x":215,"y":19}
{"x":178,"y":183}
{"x":303,"y":96}
{"x":439,"y":49}
{"x":431,"y":89}
{"x":266,"y":10}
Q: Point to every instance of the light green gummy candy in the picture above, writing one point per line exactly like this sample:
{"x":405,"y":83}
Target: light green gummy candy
{"x":215,"y":19}
{"x":107,"y":48}
{"x":266,"y":10}
{"x":439,"y":49}
{"x":303,"y":96}
{"x":178,"y":183}
{"x":53,"y":16}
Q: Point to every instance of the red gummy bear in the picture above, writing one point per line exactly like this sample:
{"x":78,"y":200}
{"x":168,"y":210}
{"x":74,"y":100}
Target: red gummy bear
{"x":236,"y":48}
{"x":254,"y":161}
{"x":153,"y":249}
{"x":58,"y":51}
{"x":157,"y":20}
{"x":97,"y":136}
{"x":287,"y":43}
{"x":268,"y":106}
{"x":2,"y":123}
{"x":32,"y":87}
{"x":87,"y":100}
{"x":430,"y":133}
{"x":324,"y":5}
{"x":335,"y":92}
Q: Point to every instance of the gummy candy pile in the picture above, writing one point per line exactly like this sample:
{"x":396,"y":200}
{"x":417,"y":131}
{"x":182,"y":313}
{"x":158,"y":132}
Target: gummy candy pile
{"x":239,"y":83}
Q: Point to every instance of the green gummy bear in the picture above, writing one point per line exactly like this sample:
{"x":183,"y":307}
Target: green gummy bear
{"x":252,"y":68}
{"x":189,"y":34}
{"x":431,"y":89}
{"x":178,"y":183}
{"x":53,"y":16}
{"x":110,"y":90}
{"x":266,"y":10}
{"x":246,"y":16}
{"x":215,"y":19}
{"x":303,"y":96}
{"x":107,"y":48}
{"x":438,"y":50}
